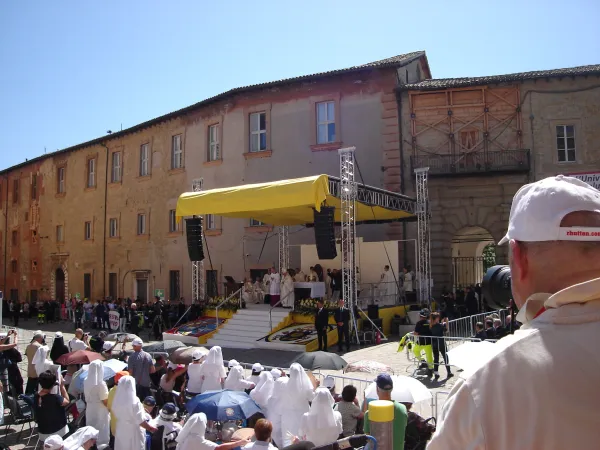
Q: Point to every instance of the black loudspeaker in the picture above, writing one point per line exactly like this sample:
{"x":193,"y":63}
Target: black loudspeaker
{"x":373,"y":312}
{"x":193,"y":231}
{"x":325,"y":232}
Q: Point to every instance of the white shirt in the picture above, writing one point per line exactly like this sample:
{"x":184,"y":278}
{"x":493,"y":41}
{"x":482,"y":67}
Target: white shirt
{"x":169,"y":426}
{"x":259,"y":445}
{"x":538,"y":390}
{"x":76,"y":344}
{"x":194,"y":384}
{"x":408,"y":282}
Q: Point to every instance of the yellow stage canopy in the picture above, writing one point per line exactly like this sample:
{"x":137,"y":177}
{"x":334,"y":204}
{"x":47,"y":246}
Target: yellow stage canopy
{"x":286,"y":202}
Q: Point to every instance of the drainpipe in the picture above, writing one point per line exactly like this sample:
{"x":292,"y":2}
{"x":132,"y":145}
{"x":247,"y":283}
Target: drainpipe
{"x":402,"y":185}
{"x":104,"y":227}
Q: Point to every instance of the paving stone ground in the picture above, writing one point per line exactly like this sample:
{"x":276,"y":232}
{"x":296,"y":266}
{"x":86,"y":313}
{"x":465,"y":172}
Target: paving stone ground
{"x":385,"y":353}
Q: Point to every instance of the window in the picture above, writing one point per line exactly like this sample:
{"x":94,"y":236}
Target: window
{"x":113,"y":285}
{"x":33,"y":296}
{"x":60,"y":180}
{"x":87,"y":231}
{"x":60,"y":237}
{"x":565,"y":143}
{"x":256,"y":223}
{"x":141,"y":224}
{"x":14,"y":266}
{"x":34,"y":265}
{"x":34,"y":187}
{"x":174,"y":292}
{"x":91,"y":173}
{"x":113,"y":228}
{"x":173,"y":225}
{"x":116,"y":168}
{"x":87,"y":285}
{"x":144,"y":160}
{"x":258,"y":132}
{"x":210,"y":223}
{"x":325,"y":122}
{"x":15,"y":237}
{"x":176,"y":152}
{"x":214,"y":153}
{"x":16,"y":191}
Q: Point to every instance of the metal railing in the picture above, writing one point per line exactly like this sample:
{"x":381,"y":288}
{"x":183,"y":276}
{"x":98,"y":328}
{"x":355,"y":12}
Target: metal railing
{"x":474,"y":162}
{"x":238,"y":292}
{"x":275,"y":305}
{"x":465,"y":326}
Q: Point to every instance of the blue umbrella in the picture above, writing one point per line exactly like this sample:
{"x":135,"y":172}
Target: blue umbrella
{"x":111,"y":367}
{"x":223,"y":405}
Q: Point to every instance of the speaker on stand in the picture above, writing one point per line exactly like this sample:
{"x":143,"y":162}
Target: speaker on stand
{"x":193,"y":232}
{"x":324,"y":222}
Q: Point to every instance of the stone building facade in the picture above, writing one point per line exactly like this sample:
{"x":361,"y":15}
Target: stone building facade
{"x":101,"y":221}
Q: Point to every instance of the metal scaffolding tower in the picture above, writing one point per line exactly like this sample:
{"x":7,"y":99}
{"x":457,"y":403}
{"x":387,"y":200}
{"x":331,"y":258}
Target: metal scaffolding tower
{"x":348,"y":191}
{"x":284,"y":248}
{"x":423,"y":237}
{"x":197,"y":266}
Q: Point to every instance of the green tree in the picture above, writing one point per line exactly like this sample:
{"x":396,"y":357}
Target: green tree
{"x":489,"y":256}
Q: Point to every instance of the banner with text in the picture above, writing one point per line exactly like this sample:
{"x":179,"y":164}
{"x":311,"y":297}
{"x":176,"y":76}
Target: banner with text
{"x":591,"y":178}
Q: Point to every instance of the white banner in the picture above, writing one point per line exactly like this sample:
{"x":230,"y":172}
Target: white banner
{"x":591,"y":178}
{"x":113,"y":320}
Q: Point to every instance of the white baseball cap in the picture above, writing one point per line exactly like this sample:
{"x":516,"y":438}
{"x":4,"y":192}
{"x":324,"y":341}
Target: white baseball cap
{"x":137,"y":341}
{"x":54,"y":442}
{"x":329,"y":382}
{"x":232,"y":363}
{"x":197,"y":355}
{"x":538,"y":208}
{"x":257,"y":367}
{"x":107,"y":346}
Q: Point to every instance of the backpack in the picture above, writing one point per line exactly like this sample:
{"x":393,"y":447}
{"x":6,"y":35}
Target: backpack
{"x":418,"y":432}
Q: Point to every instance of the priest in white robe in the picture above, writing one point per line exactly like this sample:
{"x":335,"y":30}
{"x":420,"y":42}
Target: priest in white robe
{"x":274,"y":286}
{"x":287,"y":290}
{"x":387,"y":287}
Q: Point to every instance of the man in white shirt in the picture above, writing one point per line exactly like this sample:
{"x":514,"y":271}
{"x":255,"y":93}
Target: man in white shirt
{"x":79,"y":342}
{"x":538,"y":388}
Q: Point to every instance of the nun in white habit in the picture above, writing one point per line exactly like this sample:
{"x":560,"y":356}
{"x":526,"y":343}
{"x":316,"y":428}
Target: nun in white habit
{"x":275,"y":407}
{"x":83,"y":439}
{"x":213,"y":371}
{"x":130,"y":417}
{"x":295,"y":402}
{"x":321,"y":425}
{"x":235,"y":380}
{"x":192,"y":437}
{"x":96,"y":399}
{"x":41,"y":363}
{"x":263,"y":391}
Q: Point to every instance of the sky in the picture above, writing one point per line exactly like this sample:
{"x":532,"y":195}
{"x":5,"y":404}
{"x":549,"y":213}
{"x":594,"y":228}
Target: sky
{"x":71,"y":70}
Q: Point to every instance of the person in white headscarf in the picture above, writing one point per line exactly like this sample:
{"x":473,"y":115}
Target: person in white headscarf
{"x":295,"y":402}
{"x":41,"y":363}
{"x":263,"y":391}
{"x":287,"y":290}
{"x":83,"y":439}
{"x":192,"y":437}
{"x":235,"y":380}
{"x":321,"y":425}
{"x":275,"y":407}
{"x":96,"y":399}
{"x":275,"y":373}
{"x":232,"y":363}
{"x":131,"y":419}
{"x":213,"y":371}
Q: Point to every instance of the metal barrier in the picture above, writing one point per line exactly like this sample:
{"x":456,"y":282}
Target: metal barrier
{"x":465,"y":326}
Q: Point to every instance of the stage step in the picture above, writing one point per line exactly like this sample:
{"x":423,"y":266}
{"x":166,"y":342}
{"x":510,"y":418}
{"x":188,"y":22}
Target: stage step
{"x":247,"y":326}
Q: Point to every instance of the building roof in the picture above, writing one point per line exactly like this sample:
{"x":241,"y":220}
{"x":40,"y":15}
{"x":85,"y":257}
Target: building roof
{"x":394,"y":61}
{"x":444,"y":83}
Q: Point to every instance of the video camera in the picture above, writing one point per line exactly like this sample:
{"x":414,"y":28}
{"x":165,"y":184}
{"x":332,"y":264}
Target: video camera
{"x":496,"y":287}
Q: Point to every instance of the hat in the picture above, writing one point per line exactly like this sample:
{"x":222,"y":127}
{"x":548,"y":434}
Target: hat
{"x":257,"y":367}
{"x":149,"y":401}
{"x":169,"y":411}
{"x":137,"y":342}
{"x":107,"y":346}
{"x":384,"y":382}
{"x":173,"y":366}
{"x":58,"y":334}
{"x":276,"y":373}
{"x":538,"y":208}
{"x":232,"y":363}
{"x":54,"y":442}
{"x":329,"y":382}
{"x":3,"y":335}
{"x":197,"y":355}
{"x":121,"y":374}
{"x":424,"y":313}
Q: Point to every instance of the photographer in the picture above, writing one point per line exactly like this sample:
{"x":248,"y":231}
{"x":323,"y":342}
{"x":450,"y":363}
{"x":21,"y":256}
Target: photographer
{"x":79,"y":342}
{"x":538,"y":388}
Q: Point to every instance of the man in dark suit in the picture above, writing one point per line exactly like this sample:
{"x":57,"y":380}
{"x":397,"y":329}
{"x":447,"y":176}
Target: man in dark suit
{"x":321,"y":321}
{"x":342,"y":318}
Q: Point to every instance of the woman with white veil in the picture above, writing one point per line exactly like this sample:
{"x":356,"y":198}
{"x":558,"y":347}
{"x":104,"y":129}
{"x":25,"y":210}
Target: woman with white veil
{"x":235,"y":380}
{"x":275,"y":406}
{"x":191,"y":437}
{"x":130,"y":417}
{"x":321,"y":425}
{"x":263,"y":390}
{"x":213,"y":371}
{"x":96,"y":399}
{"x":295,"y":402}
{"x":41,"y":363}
{"x":83,"y":439}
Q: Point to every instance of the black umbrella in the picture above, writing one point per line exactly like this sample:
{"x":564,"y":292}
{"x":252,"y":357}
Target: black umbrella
{"x":321,"y":360}
{"x":163,"y":347}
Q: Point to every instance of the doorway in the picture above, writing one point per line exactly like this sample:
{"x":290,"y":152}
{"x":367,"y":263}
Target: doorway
{"x":60,"y":284}
{"x":142,"y":289}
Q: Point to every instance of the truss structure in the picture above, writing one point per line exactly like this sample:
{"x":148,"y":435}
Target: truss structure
{"x":197,"y":266}
{"x":348,"y":193}
{"x":284,"y":248}
{"x":423,"y":237}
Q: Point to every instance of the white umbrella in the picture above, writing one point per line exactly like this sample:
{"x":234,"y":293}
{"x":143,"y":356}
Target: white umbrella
{"x":406,"y":390}
{"x":472,"y":355}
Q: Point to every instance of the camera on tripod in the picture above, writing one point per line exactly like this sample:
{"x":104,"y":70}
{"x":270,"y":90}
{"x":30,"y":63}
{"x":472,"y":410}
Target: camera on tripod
{"x":496,"y":287}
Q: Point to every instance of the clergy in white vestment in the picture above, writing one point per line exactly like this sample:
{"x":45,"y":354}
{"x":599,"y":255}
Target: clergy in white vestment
{"x":295,"y":402}
{"x":96,"y":399}
{"x":312,"y":275}
{"x":263,"y":391}
{"x":321,"y":425}
{"x":300,"y":276}
{"x":275,"y":409}
{"x":131,"y":417}
{"x":83,"y":439}
{"x":274,"y":286}
{"x":258,"y":291}
{"x":235,"y":380}
{"x":287,"y":290}
{"x":387,"y":287}
{"x":248,"y":291}
{"x":213,"y":371}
